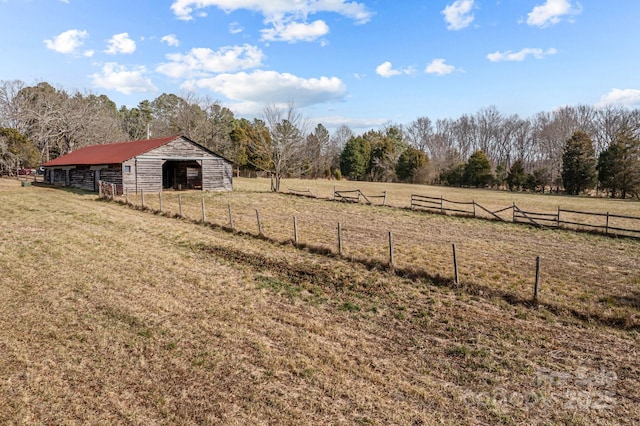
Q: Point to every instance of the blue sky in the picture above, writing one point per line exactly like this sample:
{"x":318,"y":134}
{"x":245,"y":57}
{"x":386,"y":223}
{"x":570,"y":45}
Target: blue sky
{"x":361,"y":63}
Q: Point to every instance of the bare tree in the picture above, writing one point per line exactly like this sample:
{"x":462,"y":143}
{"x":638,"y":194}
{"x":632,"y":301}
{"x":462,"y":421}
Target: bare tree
{"x":281,"y":149}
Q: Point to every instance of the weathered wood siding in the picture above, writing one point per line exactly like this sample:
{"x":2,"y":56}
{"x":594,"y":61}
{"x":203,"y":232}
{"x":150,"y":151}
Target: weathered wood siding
{"x":82,"y":178}
{"x":216,"y":175}
{"x":148,"y":172}
{"x":216,"y":171}
{"x":129,"y":176}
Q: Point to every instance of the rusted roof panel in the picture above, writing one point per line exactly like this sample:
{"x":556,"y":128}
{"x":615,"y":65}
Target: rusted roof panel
{"x":110,"y":153}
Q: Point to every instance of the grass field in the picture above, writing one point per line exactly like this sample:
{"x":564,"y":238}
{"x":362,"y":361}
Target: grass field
{"x":113,"y":315}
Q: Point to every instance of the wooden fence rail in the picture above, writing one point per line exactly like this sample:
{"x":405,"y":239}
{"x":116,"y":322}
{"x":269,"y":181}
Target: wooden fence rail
{"x":538,"y":219}
{"x":356,"y":195}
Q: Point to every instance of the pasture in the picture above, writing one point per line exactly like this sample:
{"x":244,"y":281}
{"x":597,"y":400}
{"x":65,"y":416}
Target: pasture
{"x":115,"y":315}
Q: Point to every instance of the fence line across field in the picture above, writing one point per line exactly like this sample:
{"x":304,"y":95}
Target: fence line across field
{"x":520,"y":216}
{"x":262,"y":222}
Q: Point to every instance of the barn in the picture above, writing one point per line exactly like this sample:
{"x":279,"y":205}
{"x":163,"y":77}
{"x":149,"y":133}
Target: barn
{"x":149,"y":165}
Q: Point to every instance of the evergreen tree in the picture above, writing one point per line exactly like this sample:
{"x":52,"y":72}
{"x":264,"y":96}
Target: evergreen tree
{"x":410,"y":161}
{"x":619,"y":166}
{"x":477,"y":171}
{"x":517,"y":178}
{"x":578,"y":164}
{"x":355,"y":158}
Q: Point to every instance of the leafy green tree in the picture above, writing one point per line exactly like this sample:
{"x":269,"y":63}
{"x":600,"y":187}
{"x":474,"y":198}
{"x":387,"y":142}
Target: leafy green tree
{"x":578,"y":164}
{"x":517,"y":177}
{"x":355,"y":158}
{"x":477,"y":171}
{"x":619,"y":166}
{"x":409,"y":163}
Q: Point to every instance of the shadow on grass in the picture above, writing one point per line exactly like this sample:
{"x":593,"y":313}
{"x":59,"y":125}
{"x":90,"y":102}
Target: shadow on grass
{"x":299,"y":274}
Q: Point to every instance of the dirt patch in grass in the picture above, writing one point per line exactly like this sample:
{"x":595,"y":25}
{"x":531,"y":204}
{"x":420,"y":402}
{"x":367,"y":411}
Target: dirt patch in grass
{"x":114,"y":315}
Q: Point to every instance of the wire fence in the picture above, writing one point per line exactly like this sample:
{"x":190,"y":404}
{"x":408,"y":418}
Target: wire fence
{"x":410,"y":247}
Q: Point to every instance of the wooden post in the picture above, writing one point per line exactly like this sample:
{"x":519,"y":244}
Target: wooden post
{"x":558,"y":220}
{"x":514,"y":212}
{"x":474,"y":207}
{"x":204,"y":212}
{"x":259,"y":223}
{"x":391,"y":260}
{"x":455,"y":266}
{"x":334,"y":193}
{"x":441,"y":204}
{"x":606,"y":229}
{"x":160,"y":200}
{"x":180,"y":205}
{"x":230,"y":218}
{"x":384,"y":200}
{"x":537,"y":284}
{"x":126,"y":195}
{"x":142,"y":196}
{"x":295,"y":230}
{"x":339,"y":238}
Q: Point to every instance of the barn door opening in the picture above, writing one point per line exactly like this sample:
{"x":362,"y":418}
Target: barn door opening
{"x":181,"y":175}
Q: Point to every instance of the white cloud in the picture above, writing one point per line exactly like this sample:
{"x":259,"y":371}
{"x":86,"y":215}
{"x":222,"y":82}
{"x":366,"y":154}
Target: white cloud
{"x":551,"y":12}
{"x":184,"y":9}
{"x":199,"y":62}
{"x":120,"y":43}
{"x":386,"y":70}
{"x":119,"y":78}
{"x":235,"y":28}
{"x":520,"y":55}
{"x":438,"y":66}
{"x":621,"y":97}
{"x":171,"y":40}
{"x":252,"y":91}
{"x":67,"y":42}
{"x":286,"y":19}
{"x":295,"y":31}
{"x":458,"y":14}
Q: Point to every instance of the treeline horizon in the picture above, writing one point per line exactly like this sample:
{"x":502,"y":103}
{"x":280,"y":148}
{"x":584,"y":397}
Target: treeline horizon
{"x":487,"y":148}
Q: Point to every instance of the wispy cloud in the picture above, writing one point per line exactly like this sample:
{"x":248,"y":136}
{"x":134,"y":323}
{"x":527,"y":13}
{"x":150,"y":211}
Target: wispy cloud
{"x":171,"y":40}
{"x":286,"y":20}
{"x":458,"y":15}
{"x":551,"y":12}
{"x":386,"y":70}
{"x":438,"y":66}
{"x":510,"y":56}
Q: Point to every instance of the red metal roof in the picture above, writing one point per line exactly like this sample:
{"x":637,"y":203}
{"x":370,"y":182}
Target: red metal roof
{"x":108,"y":154}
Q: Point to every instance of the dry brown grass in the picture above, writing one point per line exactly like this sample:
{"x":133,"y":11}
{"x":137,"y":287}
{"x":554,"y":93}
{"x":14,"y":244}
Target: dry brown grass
{"x":116,"y":316}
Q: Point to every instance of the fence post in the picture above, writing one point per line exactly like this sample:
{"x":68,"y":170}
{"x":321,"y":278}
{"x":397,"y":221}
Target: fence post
{"x":558,"y":221}
{"x":456,"y":279}
{"x":230,"y":218}
{"x":606,"y":229}
{"x":126,"y":195}
{"x":334,"y":193}
{"x":204,"y":212}
{"x":259,"y":223}
{"x":537,"y":284}
{"x":384,"y":200}
{"x":441,"y":204}
{"x":142,"y":196}
{"x":340,"y":238}
{"x":474,"y":207}
{"x":160,"y":199}
{"x":180,"y":205}
{"x":514,"y":212}
{"x":295,"y":230}
{"x":391,"y":259}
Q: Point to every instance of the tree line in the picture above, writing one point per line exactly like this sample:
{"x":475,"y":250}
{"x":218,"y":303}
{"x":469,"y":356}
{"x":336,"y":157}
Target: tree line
{"x":574,"y":148}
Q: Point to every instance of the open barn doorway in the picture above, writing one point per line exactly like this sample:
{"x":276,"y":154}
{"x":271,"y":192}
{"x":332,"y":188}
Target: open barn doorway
{"x":181,"y":175}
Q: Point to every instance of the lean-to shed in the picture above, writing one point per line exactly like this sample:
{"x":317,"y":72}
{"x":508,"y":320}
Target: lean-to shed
{"x":149,"y":165}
